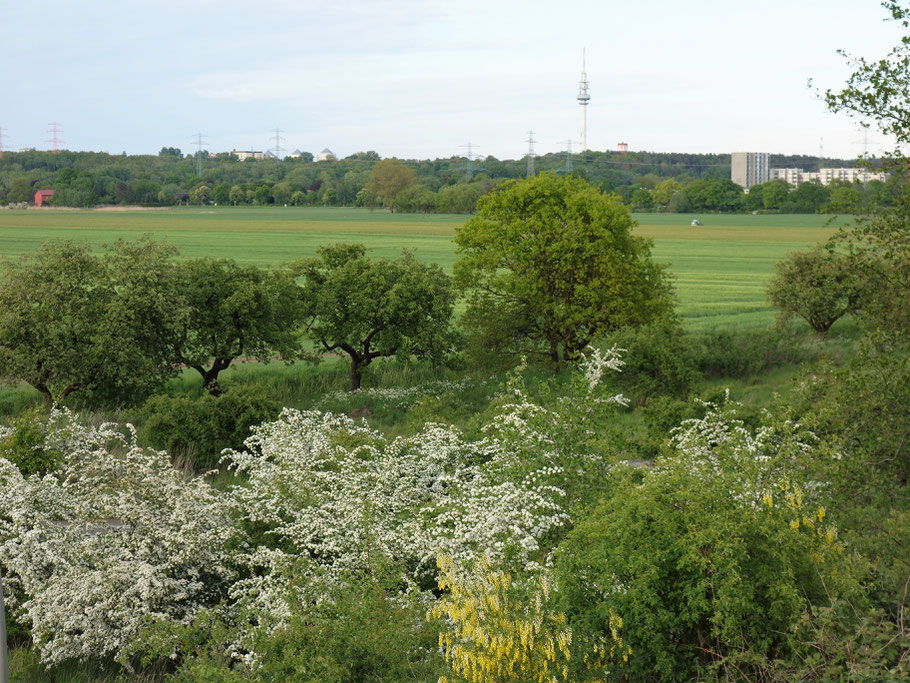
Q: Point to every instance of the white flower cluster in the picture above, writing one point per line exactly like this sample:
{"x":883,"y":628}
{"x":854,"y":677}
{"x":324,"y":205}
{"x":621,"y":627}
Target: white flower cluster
{"x":114,"y":537}
{"x":719,"y":447}
{"x":596,"y":362}
{"x":402,"y":396}
{"x":344,"y":496}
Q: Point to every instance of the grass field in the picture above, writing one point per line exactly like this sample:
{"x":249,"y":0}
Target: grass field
{"x":720,"y":268}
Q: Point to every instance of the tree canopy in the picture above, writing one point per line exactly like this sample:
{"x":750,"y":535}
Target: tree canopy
{"x":550,"y":264}
{"x":234,"y":311}
{"x":374,"y":308}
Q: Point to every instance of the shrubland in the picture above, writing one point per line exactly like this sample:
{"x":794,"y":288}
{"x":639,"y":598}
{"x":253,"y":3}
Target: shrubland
{"x":610,"y":511}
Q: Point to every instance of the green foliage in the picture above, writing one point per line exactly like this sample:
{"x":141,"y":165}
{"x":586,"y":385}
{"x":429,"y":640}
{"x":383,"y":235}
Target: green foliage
{"x":818,"y":286}
{"x":712,"y":559}
{"x":659,"y":359}
{"x":388,"y":179}
{"x":198,"y":430}
{"x":549,"y":264}
{"x":374,"y":308}
{"x":53,"y":301}
{"x":746,"y":353}
{"x":234,"y":311}
{"x":26,"y":447}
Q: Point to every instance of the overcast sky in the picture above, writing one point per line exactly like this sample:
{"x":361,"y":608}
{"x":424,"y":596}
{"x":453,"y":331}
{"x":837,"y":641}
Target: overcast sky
{"x":422,"y":78}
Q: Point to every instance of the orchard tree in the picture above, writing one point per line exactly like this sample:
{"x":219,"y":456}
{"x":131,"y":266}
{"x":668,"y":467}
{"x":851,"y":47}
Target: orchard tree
{"x":549,"y":264}
{"x":235,"y":311}
{"x":72,"y":323}
{"x":369,"y":309}
{"x":818,"y":286}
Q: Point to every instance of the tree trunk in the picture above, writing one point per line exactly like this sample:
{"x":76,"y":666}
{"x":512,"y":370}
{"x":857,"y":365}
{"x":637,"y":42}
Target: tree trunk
{"x":355,"y":375}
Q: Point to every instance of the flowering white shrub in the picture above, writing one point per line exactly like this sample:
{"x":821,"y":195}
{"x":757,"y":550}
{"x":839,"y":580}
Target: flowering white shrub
{"x":114,"y":537}
{"x":720,"y":449}
{"x":344,"y":495}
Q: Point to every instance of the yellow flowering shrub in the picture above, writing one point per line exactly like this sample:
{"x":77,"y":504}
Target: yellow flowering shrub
{"x":500,"y":632}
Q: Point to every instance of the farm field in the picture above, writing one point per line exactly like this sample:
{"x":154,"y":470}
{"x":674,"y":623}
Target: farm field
{"x":720,"y":268}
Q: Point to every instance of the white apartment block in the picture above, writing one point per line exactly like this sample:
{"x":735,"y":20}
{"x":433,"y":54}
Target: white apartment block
{"x":795,"y":176}
{"x":243,"y":155}
{"x":750,"y":168}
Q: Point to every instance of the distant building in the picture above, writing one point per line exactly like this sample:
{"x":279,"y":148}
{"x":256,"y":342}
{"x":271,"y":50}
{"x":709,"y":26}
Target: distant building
{"x":796,"y":176}
{"x":326,"y":155}
{"x":295,"y":154}
{"x":41,"y":197}
{"x":243,"y":155}
{"x":750,"y":168}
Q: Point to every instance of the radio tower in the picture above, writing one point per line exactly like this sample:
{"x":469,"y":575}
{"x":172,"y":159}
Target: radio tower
{"x":55,"y":140}
{"x":583,"y":99}
{"x":2,"y":135}
{"x":278,"y":149}
{"x":198,"y":143}
{"x":531,"y":155}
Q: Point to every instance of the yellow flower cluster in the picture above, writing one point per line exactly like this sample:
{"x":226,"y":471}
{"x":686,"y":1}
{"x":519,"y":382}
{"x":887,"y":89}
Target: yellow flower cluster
{"x":824,"y":535}
{"x":499,"y":633}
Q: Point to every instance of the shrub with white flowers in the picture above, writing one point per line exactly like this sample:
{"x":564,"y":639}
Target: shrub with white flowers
{"x":114,"y":537}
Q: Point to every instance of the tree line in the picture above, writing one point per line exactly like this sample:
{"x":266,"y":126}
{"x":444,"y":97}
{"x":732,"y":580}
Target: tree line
{"x":645,"y":181}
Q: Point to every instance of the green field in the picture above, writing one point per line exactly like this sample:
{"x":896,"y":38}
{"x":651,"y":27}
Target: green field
{"x":720,"y":268}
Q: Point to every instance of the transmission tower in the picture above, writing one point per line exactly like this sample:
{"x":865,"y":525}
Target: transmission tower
{"x":568,"y":168}
{"x":55,"y":138}
{"x":277,"y":149}
{"x":583,"y":99}
{"x":531,"y":154}
{"x":199,"y":142}
{"x":469,"y":164}
{"x":864,"y":142}
{"x":2,"y":135}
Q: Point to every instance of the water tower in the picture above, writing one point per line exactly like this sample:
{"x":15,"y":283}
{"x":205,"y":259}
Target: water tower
{"x":622,"y":147}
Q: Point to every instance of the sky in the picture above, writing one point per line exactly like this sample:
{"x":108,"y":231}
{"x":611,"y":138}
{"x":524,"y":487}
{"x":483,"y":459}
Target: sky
{"x":424,"y":78}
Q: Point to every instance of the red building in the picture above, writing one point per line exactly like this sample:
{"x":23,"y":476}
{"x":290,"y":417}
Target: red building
{"x":41,"y":196}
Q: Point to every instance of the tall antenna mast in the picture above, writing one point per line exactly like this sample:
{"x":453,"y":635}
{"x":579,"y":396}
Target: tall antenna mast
{"x":469,"y":165}
{"x":278,"y":149}
{"x":55,"y":139}
{"x":531,"y":155}
{"x":2,"y":135}
{"x":198,"y":142}
{"x":821,"y":152}
{"x":583,"y":99}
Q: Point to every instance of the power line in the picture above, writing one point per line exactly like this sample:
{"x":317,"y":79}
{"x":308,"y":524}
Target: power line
{"x":278,"y":149}
{"x":531,"y":154}
{"x":568,"y":168}
{"x":55,"y":139}
{"x":198,"y":142}
{"x":469,"y":168}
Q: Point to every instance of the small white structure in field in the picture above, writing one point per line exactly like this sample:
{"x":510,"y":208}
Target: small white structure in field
{"x":695,"y":221}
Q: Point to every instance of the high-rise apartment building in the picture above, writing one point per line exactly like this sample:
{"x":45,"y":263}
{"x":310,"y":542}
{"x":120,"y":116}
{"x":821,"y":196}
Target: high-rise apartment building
{"x":750,"y":168}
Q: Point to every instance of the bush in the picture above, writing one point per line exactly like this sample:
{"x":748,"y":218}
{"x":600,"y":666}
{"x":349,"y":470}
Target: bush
{"x":659,"y":360}
{"x":25,"y":447}
{"x":712,"y":560}
{"x":198,"y":430}
{"x":745,"y":353}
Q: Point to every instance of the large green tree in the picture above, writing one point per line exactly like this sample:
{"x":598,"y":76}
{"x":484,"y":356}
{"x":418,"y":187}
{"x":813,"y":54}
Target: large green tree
{"x":550,"y":264}
{"x":71,"y":322}
{"x":370,"y":308}
{"x":390,"y":177}
{"x":235,"y":311}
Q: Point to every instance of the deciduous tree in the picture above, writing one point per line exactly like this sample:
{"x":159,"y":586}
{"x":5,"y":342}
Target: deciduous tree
{"x":550,"y":264}
{"x":369,"y":309}
{"x":235,"y":311}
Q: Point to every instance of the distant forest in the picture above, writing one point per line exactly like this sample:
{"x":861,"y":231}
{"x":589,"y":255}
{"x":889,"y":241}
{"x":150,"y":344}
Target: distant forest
{"x":646,"y":181}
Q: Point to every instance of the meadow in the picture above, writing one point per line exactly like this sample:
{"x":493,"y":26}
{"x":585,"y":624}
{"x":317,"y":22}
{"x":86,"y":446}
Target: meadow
{"x":720,"y":268}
